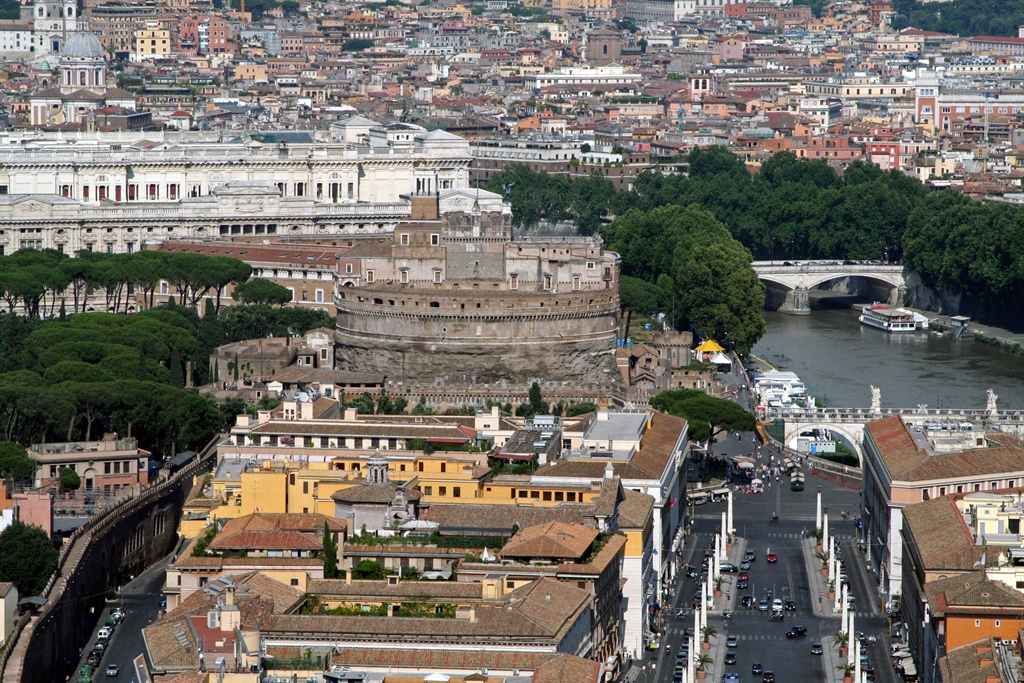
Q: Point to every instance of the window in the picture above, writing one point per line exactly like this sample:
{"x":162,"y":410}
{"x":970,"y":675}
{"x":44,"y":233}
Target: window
{"x":369,"y":276}
{"x":403,"y":276}
{"x":403,"y":239}
{"x":977,"y":622}
{"x":435,"y":239}
{"x":457,"y":491}
{"x":319,"y":296}
{"x":348,"y":268}
{"x":428,"y":490}
{"x":305,"y":487}
{"x":295,"y":582}
{"x":351,"y":191}
{"x":437,"y":277}
{"x":997,"y":623}
{"x":106,"y":468}
{"x":444,"y":467}
{"x":942,"y":490}
{"x":442,"y":490}
{"x":576,"y":283}
{"x":513,"y":281}
{"x":547,"y":282}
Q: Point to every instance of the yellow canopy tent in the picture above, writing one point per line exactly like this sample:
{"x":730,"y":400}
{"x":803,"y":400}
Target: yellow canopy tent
{"x":709,"y":347}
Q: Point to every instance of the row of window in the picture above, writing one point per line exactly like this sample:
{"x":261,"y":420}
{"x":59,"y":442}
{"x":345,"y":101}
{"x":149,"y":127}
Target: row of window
{"x":926,"y":494}
{"x":109,"y":467}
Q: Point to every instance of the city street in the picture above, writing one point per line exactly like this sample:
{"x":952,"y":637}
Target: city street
{"x":760,"y":640}
{"x":140,"y":600}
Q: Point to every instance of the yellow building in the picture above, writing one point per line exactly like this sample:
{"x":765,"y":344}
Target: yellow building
{"x":151,"y":42}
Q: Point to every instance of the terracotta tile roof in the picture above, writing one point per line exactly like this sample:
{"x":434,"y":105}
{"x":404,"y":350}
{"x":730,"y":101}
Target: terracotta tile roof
{"x":973,"y":663}
{"x":635,"y":510}
{"x":369,"y":590}
{"x":265,"y":540}
{"x":551,"y":540}
{"x":263,"y":521}
{"x":171,"y":644}
{"x":543,"y":610}
{"x":500,"y":519}
{"x":569,"y":669}
{"x":440,"y":658}
{"x":942,"y":537}
{"x":906,"y":462}
{"x":972,"y":593}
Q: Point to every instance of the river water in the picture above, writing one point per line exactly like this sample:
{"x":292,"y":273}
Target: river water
{"x":839,"y":359}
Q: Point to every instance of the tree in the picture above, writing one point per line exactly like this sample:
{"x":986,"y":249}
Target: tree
{"x":356,"y":45}
{"x":69,"y":480}
{"x":260,"y":291}
{"x":15,"y":463}
{"x":707,"y":415}
{"x":330,"y":554}
{"x":368,"y":570}
{"x":580,"y":409}
{"x":703,"y":660}
{"x":708,"y":632}
{"x":174,"y":365}
{"x":27,"y":558}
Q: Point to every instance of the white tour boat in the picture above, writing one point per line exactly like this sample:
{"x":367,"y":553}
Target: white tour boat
{"x":888,"y":318}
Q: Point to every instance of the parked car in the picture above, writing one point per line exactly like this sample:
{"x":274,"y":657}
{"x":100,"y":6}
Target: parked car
{"x":728,"y":567}
{"x":750,"y":556}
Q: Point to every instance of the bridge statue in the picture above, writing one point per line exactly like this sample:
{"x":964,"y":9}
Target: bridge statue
{"x":990,"y":405}
{"x":876,"y":400}
{"x":922,"y":408}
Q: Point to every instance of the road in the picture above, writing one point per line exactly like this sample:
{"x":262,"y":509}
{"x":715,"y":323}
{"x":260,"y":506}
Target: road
{"x":760,"y":639}
{"x":141,"y":600}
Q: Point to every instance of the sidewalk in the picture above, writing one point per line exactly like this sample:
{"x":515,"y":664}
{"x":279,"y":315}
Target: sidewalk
{"x":819,"y":583}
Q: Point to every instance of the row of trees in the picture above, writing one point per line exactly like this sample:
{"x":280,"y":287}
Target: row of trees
{"x":45,"y":282}
{"x":791,"y":209}
{"x":961,"y":17}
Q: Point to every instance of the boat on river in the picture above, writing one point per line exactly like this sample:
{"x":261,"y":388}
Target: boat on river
{"x":889,"y":318}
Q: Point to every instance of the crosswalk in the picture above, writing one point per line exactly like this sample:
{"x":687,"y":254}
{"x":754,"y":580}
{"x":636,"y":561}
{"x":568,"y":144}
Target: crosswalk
{"x":839,"y":537}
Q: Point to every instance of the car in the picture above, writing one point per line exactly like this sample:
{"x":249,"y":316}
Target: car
{"x":816,"y":649}
{"x":744,"y":565}
{"x":768,"y":677}
{"x":762,"y":605}
{"x":772,"y":558}
{"x":112,"y":670}
{"x":94,"y":659}
{"x":756,"y":668}
{"x":743,"y":575}
{"x":741,"y":584}
{"x":100,"y":646}
{"x":777,"y":605}
{"x":731,"y":678}
{"x":730,"y":657}
{"x":750,"y":556}
{"x":728,"y":567}
{"x":105,"y":633}
{"x":731,"y":641}
{"x":790,"y":606}
{"x":796,"y":632}
{"x":747,"y":601}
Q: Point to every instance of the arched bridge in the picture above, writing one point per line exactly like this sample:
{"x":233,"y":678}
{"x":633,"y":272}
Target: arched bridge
{"x":788,"y":285}
{"x":847,"y":424}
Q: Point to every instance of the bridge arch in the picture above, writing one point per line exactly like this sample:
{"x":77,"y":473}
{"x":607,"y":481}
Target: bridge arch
{"x":849,"y":434}
{"x":788,"y":286}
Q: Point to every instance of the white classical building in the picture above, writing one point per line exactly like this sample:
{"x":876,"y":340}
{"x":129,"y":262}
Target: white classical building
{"x":612,"y":74}
{"x":42,"y":29}
{"x":116,"y":191}
{"x":82,"y":86}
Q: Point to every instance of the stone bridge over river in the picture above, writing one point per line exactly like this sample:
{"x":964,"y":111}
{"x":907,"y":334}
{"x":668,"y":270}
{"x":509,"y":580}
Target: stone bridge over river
{"x":789,"y":285}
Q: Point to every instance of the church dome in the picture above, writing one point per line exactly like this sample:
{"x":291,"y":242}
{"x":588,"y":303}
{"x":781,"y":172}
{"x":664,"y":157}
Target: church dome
{"x":83,"y":44}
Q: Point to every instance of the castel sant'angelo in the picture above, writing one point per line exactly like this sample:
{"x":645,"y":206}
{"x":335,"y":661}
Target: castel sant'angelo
{"x":453,"y":297}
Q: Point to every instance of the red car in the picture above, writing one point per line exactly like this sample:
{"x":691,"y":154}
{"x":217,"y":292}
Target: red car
{"x":742,"y":577}
{"x":772,"y":558}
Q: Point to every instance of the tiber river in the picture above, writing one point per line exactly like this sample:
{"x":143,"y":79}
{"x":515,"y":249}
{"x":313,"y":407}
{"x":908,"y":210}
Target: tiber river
{"x":839,"y":359}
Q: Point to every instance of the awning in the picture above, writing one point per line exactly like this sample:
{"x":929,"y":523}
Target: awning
{"x":710,"y":346}
{"x":447,"y":439}
{"x":721,"y":359}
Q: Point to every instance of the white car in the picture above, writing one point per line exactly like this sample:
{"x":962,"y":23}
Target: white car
{"x":112,"y":670}
{"x":776,"y":605}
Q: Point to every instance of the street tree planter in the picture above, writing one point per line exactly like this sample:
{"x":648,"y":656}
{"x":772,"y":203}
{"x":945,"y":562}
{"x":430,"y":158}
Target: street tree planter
{"x":702,"y":674}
